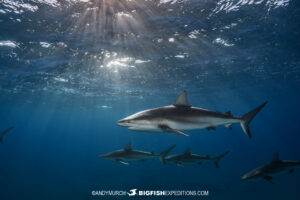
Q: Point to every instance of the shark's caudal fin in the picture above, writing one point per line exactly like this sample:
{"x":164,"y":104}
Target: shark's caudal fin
{"x":3,"y":133}
{"x":218,"y":158}
{"x":163,"y":154}
{"x":246,"y":119}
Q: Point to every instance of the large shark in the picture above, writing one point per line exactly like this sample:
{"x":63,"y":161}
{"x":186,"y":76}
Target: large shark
{"x":181,"y":116}
{"x":274,"y":167}
{"x":128,"y":154}
{"x":187,"y":157}
{"x":3,"y":133}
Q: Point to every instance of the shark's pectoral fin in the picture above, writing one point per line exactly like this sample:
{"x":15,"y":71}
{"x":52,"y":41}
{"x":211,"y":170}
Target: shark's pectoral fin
{"x":179,"y":164}
{"x":211,"y":128}
{"x":169,"y":129}
{"x":122,"y":161}
{"x":291,"y":171}
{"x":179,"y":132}
{"x":229,"y":126}
{"x":270,"y":179}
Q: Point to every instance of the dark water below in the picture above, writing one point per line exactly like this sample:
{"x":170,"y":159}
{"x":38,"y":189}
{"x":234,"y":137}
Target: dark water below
{"x":70,"y":69}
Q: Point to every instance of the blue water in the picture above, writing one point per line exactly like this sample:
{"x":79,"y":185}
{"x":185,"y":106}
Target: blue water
{"x":70,"y":69}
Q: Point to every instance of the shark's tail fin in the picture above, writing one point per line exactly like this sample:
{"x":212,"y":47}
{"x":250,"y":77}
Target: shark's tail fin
{"x":218,"y":158}
{"x":3,"y":133}
{"x":246,"y":119}
{"x":163,"y":154}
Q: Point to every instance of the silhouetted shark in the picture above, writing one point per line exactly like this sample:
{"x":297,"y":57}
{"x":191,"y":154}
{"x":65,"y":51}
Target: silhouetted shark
{"x":274,"y":167}
{"x":128,"y":154}
{"x":187,"y":157}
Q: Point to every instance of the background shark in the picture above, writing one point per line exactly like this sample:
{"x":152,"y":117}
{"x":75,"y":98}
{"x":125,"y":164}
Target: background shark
{"x":274,"y":167}
{"x":128,"y":154}
{"x":181,"y":116}
{"x":187,"y":157}
{"x":3,"y":133}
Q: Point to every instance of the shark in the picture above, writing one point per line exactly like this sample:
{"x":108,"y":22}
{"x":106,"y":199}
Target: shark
{"x":276,"y":166}
{"x":188,"y":158}
{"x":127,"y":154}
{"x":4,"y":132}
{"x":181,"y":116}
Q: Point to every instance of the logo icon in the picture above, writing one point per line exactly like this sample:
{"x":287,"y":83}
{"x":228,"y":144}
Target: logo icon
{"x":132,"y":192}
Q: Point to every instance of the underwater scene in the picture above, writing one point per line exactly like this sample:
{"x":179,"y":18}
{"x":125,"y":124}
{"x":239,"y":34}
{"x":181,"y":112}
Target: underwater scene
{"x":149,"y":99}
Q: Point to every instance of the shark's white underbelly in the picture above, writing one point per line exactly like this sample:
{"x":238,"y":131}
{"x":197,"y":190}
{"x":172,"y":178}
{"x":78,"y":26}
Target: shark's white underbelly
{"x":200,"y":123}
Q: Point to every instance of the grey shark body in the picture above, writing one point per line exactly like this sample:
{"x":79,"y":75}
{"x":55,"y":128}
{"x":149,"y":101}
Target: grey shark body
{"x":128,"y":154}
{"x":276,"y":166}
{"x":2,"y":133}
{"x":188,"y":158}
{"x":182,"y":117}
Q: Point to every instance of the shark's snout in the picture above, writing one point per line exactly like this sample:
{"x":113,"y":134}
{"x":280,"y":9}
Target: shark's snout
{"x":104,"y":156}
{"x":249,"y":176}
{"x":121,"y":122}
{"x":245,"y":177}
{"x":124,"y":122}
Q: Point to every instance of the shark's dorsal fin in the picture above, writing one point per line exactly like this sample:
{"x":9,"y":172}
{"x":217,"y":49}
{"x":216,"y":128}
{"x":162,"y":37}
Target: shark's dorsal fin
{"x":275,"y":157}
{"x":182,"y":100}
{"x":187,"y":151}
{"x":228,"y":113}
{"x":128,"y":147}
